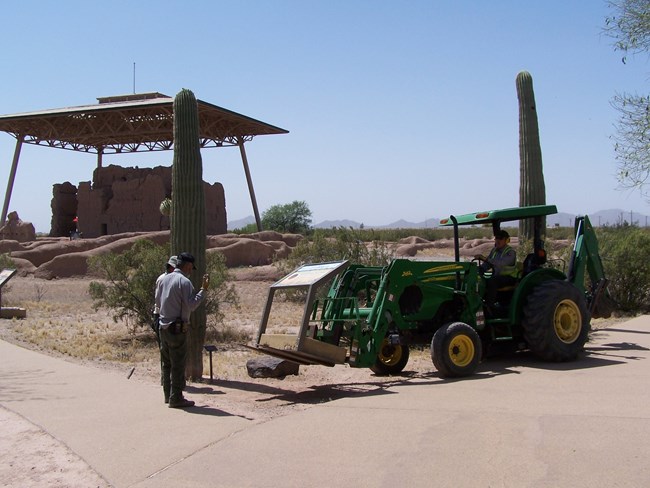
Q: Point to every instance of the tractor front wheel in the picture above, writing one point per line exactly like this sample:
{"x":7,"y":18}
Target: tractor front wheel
{"x":556,"y":321}
{"x":391,"y":358}
{"x":456,"y":350}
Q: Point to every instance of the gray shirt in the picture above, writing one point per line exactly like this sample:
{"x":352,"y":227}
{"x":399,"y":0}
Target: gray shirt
{"x":175,"y":298}
{"x":156,"y":307}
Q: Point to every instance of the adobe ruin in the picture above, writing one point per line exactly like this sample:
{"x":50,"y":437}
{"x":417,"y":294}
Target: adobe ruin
{"x":122,"y":200}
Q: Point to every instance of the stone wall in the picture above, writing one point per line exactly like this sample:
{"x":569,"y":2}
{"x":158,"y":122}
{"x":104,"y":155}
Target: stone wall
{"x":64,"y":209}
{"x":128,"y":200}
{"x":15,"y":229}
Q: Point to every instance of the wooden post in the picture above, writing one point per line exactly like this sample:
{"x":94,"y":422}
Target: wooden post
{"x":258,"y":221}
{"x":12,"y":177}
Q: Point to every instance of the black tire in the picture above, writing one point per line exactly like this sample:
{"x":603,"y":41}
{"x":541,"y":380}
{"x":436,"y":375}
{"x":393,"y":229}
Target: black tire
{"x":456,"y":350}
{"x":556,"y":321}
{"x":391,"y":358}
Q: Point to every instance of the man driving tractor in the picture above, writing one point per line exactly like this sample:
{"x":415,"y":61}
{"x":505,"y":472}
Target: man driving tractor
{"x":502,"y":263}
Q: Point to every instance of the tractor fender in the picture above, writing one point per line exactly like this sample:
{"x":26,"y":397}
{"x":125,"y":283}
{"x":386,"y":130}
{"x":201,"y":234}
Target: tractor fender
{"x":527,"y":284}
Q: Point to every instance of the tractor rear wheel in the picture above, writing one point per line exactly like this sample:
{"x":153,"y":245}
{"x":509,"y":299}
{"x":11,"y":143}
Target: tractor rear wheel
{"x":391,"y":358}
{"x":456,"y":350}
{"x":556,"y":321}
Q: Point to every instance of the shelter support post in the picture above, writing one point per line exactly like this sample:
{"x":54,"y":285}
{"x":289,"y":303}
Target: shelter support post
{"x":258,"y":221}
{"x":12,"y":177}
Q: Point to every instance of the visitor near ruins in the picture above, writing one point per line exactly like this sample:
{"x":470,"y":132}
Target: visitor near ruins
{"x":176,"y":300}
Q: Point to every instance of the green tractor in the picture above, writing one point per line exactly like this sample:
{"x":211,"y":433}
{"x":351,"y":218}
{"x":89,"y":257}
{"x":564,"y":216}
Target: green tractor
{"x":370,"y":315}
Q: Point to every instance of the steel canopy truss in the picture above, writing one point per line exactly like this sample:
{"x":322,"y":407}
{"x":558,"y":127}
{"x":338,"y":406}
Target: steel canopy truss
{"x":127,"y":124}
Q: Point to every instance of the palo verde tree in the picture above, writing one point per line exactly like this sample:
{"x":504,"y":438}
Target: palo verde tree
{"x":128,"y":281}
{"x":188,"y":214}
{"x":532,"y":190}
{"x":629,"y":27}
{"x":294,"y":217}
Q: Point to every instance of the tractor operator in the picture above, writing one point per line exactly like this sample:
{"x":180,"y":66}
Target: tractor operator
{"x":502,"y":260}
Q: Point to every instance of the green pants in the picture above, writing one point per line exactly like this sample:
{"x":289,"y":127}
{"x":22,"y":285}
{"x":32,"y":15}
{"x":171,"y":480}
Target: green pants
{"x":173,"y":353}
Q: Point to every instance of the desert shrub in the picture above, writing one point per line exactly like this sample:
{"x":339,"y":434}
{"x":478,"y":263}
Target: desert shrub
{"x":624,"y":250}
{"x":6,"y":261}
{"x":247,"y":229}
{"x":130,"y":277}
{"x":344,"y":243}
{"x":220,"y":291}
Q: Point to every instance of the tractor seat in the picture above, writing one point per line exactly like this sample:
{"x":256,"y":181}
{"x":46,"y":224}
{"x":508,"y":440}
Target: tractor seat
{"x":520,"y":269}
{"x":507,"y":288}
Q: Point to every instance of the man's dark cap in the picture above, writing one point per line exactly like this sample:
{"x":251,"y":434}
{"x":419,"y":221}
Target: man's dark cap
{"x":501,"y":234}
{"x":185,"y":257}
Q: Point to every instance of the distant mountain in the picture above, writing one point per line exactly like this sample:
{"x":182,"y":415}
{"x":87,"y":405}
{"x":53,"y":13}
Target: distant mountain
{"x":618,"y":216}
{"x":241,"y":223}
{"x":329,"y":224}
{"x":600,"y":218}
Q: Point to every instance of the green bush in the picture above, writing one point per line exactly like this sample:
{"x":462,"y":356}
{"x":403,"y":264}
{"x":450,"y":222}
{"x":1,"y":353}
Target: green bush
{"x":130,"y":277}
{"x":247,"y":229}
{"x":336,"y":245}
{"x":624,"y":251}
{"x":294,"y":217}
{"x":6,"y":261}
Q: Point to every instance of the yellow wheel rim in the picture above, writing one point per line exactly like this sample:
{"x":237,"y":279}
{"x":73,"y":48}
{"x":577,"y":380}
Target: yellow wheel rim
{"x":461,"y":350}
{"x":567,"y":321}
{"x":389,"y":354}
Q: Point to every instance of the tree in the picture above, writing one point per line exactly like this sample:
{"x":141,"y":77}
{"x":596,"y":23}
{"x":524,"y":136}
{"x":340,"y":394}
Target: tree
{"x":629,"y":27}
{"x":129,"y":277}
{"x":294,"y":217}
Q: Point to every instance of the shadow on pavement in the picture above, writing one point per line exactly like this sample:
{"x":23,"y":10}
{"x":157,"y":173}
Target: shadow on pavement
{"x":527,"y":359}
{"x":210,"y":411}
{"x":623,"y":330}
{"x":504,"y":363}
{"x":237,"y":385}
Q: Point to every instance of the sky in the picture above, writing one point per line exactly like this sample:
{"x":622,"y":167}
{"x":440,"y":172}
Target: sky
{"x":395,"y":109}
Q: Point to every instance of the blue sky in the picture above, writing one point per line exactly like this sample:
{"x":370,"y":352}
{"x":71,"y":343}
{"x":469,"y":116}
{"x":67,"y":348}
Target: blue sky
{"x":396,"y":109}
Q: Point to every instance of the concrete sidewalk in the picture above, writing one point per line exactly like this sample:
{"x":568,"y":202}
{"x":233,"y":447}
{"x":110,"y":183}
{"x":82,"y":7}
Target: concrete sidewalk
{"x":519,"y":422}
{"x":120,"y":427}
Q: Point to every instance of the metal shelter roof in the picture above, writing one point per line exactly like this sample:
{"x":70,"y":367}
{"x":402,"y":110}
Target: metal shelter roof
{"x":127,"y":124}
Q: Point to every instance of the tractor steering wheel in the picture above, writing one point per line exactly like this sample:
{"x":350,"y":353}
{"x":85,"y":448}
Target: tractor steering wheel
{"x":485,"y":267}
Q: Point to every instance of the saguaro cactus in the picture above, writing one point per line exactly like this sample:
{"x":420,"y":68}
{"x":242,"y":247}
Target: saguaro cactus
{"x":531,"y":187}
{"x":188,"y":213}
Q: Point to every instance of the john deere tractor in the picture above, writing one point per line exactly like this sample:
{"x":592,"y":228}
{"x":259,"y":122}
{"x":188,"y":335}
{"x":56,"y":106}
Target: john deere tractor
{"x":369,"y":316}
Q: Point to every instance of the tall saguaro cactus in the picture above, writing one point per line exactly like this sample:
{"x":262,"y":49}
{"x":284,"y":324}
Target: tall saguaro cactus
{"x":531,"y":187}
{"x":188,"y":213}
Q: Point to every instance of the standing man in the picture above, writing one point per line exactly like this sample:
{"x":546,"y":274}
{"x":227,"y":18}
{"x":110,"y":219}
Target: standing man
{"x":176,"y":300}
{"x":170,"y":266}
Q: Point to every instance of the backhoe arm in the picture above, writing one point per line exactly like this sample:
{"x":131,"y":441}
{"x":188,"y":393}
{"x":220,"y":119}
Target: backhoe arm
{"x":585,"y":257}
